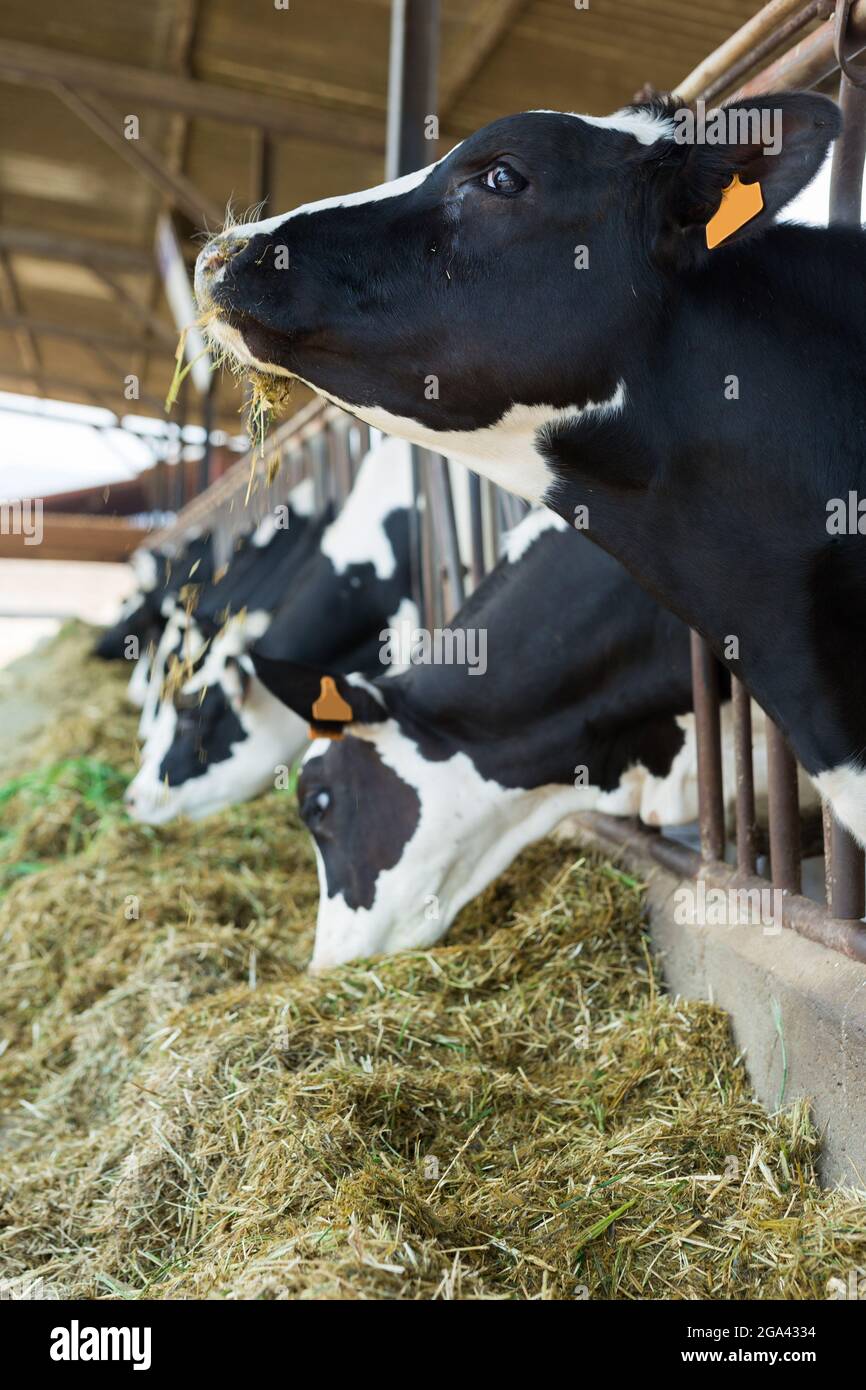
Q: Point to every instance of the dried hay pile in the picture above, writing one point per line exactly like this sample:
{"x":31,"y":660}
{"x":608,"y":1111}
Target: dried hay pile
{"x":519,"y":1113}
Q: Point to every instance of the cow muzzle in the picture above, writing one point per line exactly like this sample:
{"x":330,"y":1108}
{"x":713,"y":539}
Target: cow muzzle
{"x":210,"y":267}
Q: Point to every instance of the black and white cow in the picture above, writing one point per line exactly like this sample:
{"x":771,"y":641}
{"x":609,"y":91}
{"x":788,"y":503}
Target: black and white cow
{"x":446,"y":774}
{"x":698,"y":412}
{"x":222,"y":736}
{"x":138,"y":630}
{"x":248,"y":589}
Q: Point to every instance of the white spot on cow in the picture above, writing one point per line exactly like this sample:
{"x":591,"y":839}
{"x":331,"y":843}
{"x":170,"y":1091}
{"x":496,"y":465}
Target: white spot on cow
{"x":136,"y":691}
{"x":358,"y":535}
{"x":845,"y":789}
{"x":145,"y":569}
{"x":523,"y":536}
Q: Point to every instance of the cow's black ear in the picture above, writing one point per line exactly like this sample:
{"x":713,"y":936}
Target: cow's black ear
{"x":328,"y":702}
{"x":778,"y":142}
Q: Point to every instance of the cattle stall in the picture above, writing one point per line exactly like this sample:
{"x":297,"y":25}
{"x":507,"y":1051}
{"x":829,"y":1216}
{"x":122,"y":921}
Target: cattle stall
{"x":268,"y":1141}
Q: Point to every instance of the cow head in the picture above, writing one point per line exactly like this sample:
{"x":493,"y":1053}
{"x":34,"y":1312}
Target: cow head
{"x":405,"y":834}
{"x":219,"y":739}
{"x":503,"y":288}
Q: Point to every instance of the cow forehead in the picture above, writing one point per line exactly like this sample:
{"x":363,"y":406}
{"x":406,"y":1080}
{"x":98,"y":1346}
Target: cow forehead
{"x":645,"y":125}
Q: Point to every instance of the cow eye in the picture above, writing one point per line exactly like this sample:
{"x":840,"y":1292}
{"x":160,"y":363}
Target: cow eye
{"x":315,"y":806}
{"x":503,"y":179}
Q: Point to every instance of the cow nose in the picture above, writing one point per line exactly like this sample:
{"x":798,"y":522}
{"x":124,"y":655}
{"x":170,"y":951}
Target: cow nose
{"x":214,"y":258}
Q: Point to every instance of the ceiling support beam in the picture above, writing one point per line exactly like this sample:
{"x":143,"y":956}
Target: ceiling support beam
{"x":29,"y":241}
{"x":144,"y":158}
{"x":70,"y":330}
{"x":140,"y":311}
{"x":150,"y":88}
{"x":496,"y":17}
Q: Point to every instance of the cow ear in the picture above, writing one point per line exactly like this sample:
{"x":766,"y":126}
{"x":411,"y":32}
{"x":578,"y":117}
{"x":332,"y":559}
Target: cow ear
{"x":719,"y":156}
{"x":328,"y":702}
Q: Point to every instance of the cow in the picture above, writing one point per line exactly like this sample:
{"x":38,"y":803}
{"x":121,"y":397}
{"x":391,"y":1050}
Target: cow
{"x":223,"y":737}
{"x":548,"y":304}
{"x":138,"y":630}
{"x":441,"y":779}
{"x":249,"y":588}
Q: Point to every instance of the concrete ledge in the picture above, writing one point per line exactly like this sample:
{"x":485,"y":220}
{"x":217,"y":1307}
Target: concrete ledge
{"x":818,"y":995}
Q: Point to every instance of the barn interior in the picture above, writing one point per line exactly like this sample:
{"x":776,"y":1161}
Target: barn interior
{"x":220,"y":1124}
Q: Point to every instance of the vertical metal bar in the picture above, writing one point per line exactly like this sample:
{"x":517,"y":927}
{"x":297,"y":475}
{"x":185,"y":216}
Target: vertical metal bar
{"x":845,"y":876}
{"x":416,"y":545}
{"x":476,"y":526}
{"x":711,"y":804}
{"x":412,"y":84}
{"x":844,"y":860}
{"x":431,"y":589}
{"x":445,"y":522}
{"x":784,"y":811}
{"x":412,"y":87}
{"x":747,"y":828}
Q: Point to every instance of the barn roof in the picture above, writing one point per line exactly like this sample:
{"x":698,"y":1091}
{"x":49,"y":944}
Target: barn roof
{"x":241,"y":100}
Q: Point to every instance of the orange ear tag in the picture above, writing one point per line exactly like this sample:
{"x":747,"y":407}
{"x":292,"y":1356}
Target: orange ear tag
{"x":330,"y":707}
{"x":740,"y":203}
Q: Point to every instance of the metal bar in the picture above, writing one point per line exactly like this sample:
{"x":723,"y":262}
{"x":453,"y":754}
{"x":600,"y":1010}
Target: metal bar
{"x":761,"y":51}
{"x":476,"y":525}
{"x":744,"y":41}
{"x":412,"y":84}
{"x":800,"y":914}
{"x":747,"y":827}
{"x":705,"y":695}
{"x":445,"y":519}
{"x":784,"y":811}
{"x":810,"y":61}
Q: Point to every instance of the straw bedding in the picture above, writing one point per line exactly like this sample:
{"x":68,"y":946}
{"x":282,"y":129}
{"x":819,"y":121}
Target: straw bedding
{"x":518,"y":1113}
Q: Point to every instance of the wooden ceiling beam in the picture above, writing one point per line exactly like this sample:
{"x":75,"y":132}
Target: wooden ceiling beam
{"x":140,"y":311}
{"x":151,"y":88}
{"x":30,"y":241}
{"x":70,"y":330}
{"x":144,"y":158}
{"x":26,"y":339}
{"x":495,"y":18}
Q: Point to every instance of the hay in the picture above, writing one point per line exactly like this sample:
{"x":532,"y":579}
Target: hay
{"x":518,"y":1113}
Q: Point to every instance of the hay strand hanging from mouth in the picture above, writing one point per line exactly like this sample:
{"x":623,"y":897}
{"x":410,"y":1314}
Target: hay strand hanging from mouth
{"x":181,"y":372}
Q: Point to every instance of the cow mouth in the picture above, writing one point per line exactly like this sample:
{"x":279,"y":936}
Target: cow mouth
{"x":246,"y":341}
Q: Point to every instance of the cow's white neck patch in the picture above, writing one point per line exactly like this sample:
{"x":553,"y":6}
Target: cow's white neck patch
{"x":358,"y":535}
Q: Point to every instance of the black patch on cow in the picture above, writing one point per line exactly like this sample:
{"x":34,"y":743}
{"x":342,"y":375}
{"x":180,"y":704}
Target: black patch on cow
{"x":205,"y":734}
{"x":370,"y":816}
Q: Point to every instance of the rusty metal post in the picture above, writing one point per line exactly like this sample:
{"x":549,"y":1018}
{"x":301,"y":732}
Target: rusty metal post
{"x":711,"y":802}
{"x":747,"y":828}
{"x":445,"y":521}
{"x":784,"y":811}
{"x":476,"y":524}
{"x":412,"y":90}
